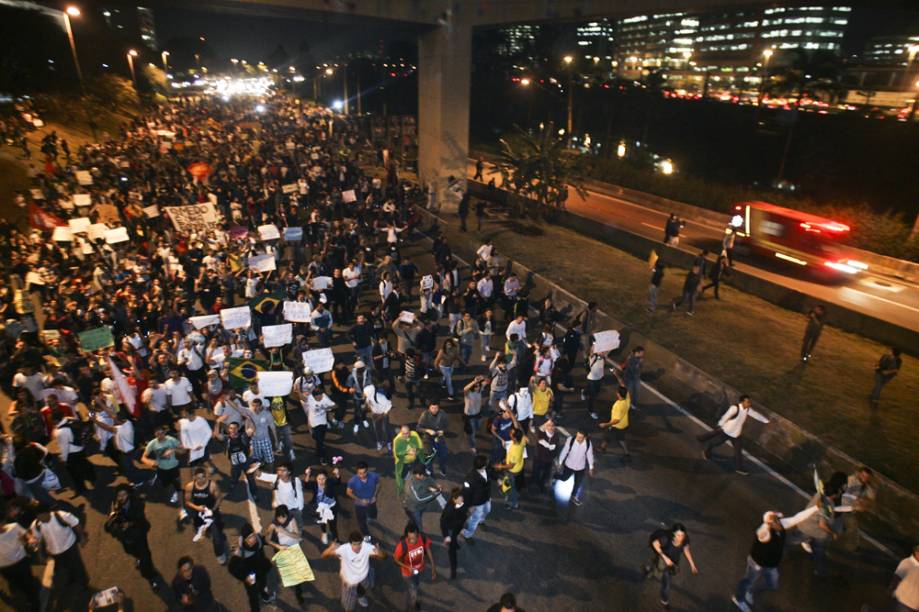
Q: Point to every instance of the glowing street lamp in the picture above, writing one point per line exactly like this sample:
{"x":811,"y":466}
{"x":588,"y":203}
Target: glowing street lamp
{"x":72,"y":11}
{"x":525,"y":81}
{"x":329,"y":71}
{"x":767,"y":55}
{"x":131,"y":55}
{"x":621,"y":150}
{"x":667,"y":167}
{"x":165,"y":56}
{"x":569,"y":60}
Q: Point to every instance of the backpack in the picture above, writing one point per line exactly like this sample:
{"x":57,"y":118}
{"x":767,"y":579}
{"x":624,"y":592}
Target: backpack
{"x":82,"y":432}
{"x":425,"y":541}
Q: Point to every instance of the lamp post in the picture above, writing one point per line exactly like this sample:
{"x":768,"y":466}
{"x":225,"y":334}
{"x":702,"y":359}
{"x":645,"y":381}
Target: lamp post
{"x":767,"y":55}
{"x":131,"y":55}
{"x":72,"y":11}
{"x":165,"y":56}
{"x":569,"y":60}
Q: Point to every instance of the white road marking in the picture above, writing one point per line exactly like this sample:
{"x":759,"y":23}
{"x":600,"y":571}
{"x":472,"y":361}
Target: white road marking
{"x":652,"y":226}
{"x":883,"y":286}
{"x":254,"y":518}
{"x":877,"y":297}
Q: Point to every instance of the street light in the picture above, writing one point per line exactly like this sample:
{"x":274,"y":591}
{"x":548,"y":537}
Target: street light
{"x":569,"y":60}
{"x":165,"y":56}
{"x":525,"y":81}
{"x":131,"y":55}
{"x":329,"y":71}
{"x":72,"y":11}
{"x":767,"y":55}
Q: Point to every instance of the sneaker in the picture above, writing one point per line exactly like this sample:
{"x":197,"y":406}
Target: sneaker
{"x":443,"y":474}
{"x":200,"y":533}
{"x":363,"y":602}
{"x":690,"y":313}
{"x":484,"y":358}
{"x":807,"y":547}
{"x":594,"y":416}
{"x":749,"y":598}
{"x":576,"y":501}
{"x":451,"y":398}
{"x":222,"y":559}
{"x":324,"y":538}
{"x":269,"y":600}
{"x":367,"y":538}
{"x":366,"y":424}
{"x":742,"y":472}
{"x":174,"y":499}
{"x":740,"y":604}
{"x":583,"y":396}
{"x":183,"y":514}
{"x":356,"y":428}
{"x":379,"y":446}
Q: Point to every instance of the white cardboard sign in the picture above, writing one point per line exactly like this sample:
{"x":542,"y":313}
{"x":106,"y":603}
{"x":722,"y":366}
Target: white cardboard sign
{"x":152,"y":211}
{"x":203,"y":321}
{"x":263,"y":262}
{"x":96,"y":231}
{"x":84,"y":178}
{"x":289,"y":188}
{"x":236,"y":318}
{"x":277,"y":335}
{"x":407,"y":317}
{"x":79,"y":225}
{"x":298,"y":312}
{"x":348,"y":196}
{"x":119,"y":234}
{"x":606,"y":341}
{"x":269,"y":232}
{"x":82,"y":199}
{"x":319,"y":360}
{"x":62,"y":233}
{"x":321,"y":283}
{"x":275,"y":384}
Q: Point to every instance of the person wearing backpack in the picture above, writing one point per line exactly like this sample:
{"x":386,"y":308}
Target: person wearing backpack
{"x":577,"y":459}
{"x":730,"y":428}
{"x":410,"y":555}
{"x":72,"y":435}
{"x":62,"y":535}
{"x":668,"y":546}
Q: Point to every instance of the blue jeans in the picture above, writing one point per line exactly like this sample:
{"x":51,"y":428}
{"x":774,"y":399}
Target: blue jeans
{"x":474,"y":423}
{"x":362,"y":513}
{"x":750,"y":583}
{"x":465,"y":352}
{"x":513,"y":494}
{"x":665,"y":586}
{"x":634,"y":387}
{"x":447,"y":372}
{"x":365,"y":354}
{"x":441,"y":452}
{"x":476,"y":516}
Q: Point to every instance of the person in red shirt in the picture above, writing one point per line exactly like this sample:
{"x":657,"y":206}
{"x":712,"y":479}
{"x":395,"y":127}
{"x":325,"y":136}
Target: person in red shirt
{"x":51,"y":410}
{"x":410,"y":557}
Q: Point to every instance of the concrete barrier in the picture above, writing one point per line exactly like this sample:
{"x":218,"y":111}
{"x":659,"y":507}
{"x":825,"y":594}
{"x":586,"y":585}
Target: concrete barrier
{"x":787,"y":448}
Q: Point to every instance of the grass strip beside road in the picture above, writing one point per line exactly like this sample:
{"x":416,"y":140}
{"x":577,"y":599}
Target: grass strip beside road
{"x":742,"y":340}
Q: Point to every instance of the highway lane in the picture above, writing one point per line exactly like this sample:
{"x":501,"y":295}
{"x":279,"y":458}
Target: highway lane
{"x":886,"y":298}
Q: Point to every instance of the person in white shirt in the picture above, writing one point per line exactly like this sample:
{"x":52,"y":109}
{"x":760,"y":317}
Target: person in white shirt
{"x":318,"y":406}
{"x":60,"y":532}
{"x":485,"y":251}
{"x":67,"y":434}
{"x":595,"y":372}
{"x":16,"y":565}
{"x":288,"y":491}
{"x":517,"y":326}
{"x":352,"y":277}
{"x":194,"y":434}
{"x":730,"y":428}
{"x":179,"y":391}
{"x":191,"y":356}
{"x":356,"y":573}
{"x":155,"y":399}
{"x":379,"y":406}
{"x":577,"y":459}
{"x":122,"y":430}
{"x":905,"y":583}
{"x":230,"y":406}
{"x":30,"y":379}
{"x":485,"y":287}
{"x":521,"y":403}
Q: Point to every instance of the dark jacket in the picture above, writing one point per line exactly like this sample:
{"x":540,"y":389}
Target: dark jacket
{"x":477,"y":490}
{"x":452,"y":520}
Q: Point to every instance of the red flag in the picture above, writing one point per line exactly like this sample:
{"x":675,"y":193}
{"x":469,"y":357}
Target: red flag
{"x":125,"y":392}
{"x":39,"y":218}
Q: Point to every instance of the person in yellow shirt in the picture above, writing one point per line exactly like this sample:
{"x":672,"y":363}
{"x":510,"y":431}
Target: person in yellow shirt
{"x":542,"y":401}
{"x":513,"y":465}
{"x":619,"y":422}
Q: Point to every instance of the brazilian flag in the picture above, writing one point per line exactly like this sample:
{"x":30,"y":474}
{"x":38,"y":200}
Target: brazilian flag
{"x":245,"y":371}
{"x":267,"y":302}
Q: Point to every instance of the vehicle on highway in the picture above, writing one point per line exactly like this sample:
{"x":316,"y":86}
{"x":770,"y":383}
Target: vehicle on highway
{"x":794,"y":237}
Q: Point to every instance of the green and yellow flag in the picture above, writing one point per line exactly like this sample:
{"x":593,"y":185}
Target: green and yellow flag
{"x":267,"y":302}
{"x":244,"y":371}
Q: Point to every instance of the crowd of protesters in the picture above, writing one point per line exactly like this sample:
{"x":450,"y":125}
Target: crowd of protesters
{"x":173,"y":398}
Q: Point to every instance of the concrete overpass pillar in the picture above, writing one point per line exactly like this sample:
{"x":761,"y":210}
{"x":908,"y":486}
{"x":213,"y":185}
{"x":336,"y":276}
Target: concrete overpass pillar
{"x":444,"y":66}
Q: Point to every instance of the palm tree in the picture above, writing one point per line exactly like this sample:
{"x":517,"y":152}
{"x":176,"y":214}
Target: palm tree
{"x":797,"y":72}
{"x":540,"y":169}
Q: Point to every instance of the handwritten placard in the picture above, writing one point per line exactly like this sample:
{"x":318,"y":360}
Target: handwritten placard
{"x":200,"y":322}
{"x":268,"y":232}
{"x":82,"y":199}
{"x":606,"y":341}
{"x":119,"y":234}
{"x":293,"y":234}
{"x":319,"y":360}
{"x":277,"y":335}
{"x":298,"y":312}
{"x":275,"y":384}
{"x":348,"y":196}
{"x":236,"y":318}
{"x":263,"y":262}
{"x":321,"y":283}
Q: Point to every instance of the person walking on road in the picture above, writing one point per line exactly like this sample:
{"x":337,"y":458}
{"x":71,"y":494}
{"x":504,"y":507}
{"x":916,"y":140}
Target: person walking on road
{"x":668,"y":546}
{"x":904,"y":586}
{"x":363,"y":489}
{"x":577,"y":460}
{"x":191,"y":587}
{"x":513,"y":465}
{"x":356,"y":571}
{"x":16,"y":564}
{"x":406,"y":447}
{"x":62,"y":535}
{"x":730,"y":428}
{"x":715,"y":274}
{"x":690,"y":286}
{"x":452,"y":520}
{"x":885,"y":371}
{"x":815,"y":320}
{"x":127,"y":523}
{"x":477,"y":493}
{"x":618,"y":423}
{"x":409,"y":555}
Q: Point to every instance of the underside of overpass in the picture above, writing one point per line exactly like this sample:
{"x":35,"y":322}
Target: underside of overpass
{"x":445,"y":51}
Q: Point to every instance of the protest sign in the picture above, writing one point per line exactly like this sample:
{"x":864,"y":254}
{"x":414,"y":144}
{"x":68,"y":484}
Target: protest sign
{"x":427,"y":282}
{"x":84,"y":177}
{"x":298,"y":312}
{"x":152,"y":212}
{"x":263,"y":262}
{"x":82,"y":199}
{"x":321,"y":283}
{"x":79,"y":225}
{"x":194,"y":218}
{"x":119,"y":234}
{"x":34,"y":278}
{"x":319,"y":360}
{"x":167,"y":134}
{"x":293,"y":567}
{"x":293,"y":234}
{"x":268,"y":232}
{"x":289,"y":188}
{"x":236,"y":318}
{"x":606,"y":341}
{"x":348,"y":196}
{"x":96,"y":231}
{"x":275,"y":384}
{"x":94,"y":339}
{"x":407,"y":317}
{"x":203,"y":321}
{"x":277,"y":335}
{"x":62,"y":234}
{"x":107,"y":213}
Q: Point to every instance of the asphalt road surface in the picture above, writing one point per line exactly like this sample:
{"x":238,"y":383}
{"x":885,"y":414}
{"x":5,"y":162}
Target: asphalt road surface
{"x":554,"y":557}
{"x":883,"y":297}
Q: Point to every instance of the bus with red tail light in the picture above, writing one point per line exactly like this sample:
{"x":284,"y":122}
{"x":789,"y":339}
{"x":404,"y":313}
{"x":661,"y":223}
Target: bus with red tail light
{"x":795,"y":237}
